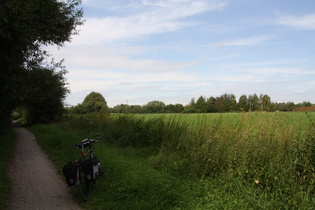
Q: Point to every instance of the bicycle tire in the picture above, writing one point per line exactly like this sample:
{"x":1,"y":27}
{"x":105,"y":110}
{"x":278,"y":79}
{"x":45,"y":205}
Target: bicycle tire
{"x":85,"y":186}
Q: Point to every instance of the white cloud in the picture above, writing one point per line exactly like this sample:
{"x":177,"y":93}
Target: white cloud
{"x":114,"y":59}
{"x":101,"y":79}
{"x":273,"y":71}
{"x":154,"y":18}
{"x":108,"y":29}
{"x":267,"y":63}
{"x":249,"y":41}
{"x":118,"y":62}
{"x":306,"y":22}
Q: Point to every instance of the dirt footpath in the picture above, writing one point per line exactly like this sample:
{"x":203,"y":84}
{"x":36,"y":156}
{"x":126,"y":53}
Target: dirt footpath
{"x":36,"y":184}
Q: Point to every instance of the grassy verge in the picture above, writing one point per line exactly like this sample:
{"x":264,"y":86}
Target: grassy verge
{"x":258,"y":160}
{"x":6,"y":147}
{"x":129,"y":181}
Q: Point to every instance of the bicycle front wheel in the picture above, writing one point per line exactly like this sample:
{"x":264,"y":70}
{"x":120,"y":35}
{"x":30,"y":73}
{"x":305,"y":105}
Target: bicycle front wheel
{"x":85,"y":186}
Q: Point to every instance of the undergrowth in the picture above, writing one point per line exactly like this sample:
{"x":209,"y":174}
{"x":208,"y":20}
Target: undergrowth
{"x":7,"y":141}
{"x":129,"y":180}
{"x":263,"y":150}
{"x":259,"y":160}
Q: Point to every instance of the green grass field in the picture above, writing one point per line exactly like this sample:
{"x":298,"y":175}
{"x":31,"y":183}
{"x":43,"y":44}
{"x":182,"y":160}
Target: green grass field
{"x":205,"y":161}
{"x":293,"y":118}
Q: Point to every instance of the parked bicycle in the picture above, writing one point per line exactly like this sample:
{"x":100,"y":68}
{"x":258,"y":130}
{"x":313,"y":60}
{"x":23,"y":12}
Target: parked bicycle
{"x":85,"y":171}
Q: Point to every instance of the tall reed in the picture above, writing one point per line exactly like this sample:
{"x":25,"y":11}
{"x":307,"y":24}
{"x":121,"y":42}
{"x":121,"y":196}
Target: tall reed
{"x":266,"y":150}
{"x":263,"y":149}
{"x":128,"y":130}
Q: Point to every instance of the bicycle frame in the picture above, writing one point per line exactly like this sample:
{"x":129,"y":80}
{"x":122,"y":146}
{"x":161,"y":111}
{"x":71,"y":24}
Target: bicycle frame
{"x":85,"y":143}
{"x":84,"y":154}
{"x":85,"y":171}
{"x":84,"y":181}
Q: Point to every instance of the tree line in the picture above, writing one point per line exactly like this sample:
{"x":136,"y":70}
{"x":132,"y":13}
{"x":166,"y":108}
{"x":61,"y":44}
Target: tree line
{"x":221,"y":104}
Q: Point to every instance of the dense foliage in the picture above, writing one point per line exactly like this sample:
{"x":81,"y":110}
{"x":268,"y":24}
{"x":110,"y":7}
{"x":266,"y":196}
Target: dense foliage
{"x":221,"y":104}
{"x":92,"y":103}
{"x":44,"y":93}
{"x":6,"y":149}
{"x":151,"y":107}
{"x":26,"y":26}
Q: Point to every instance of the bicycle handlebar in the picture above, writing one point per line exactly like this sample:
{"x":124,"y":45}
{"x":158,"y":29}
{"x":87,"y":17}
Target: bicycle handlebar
{"x":84,"y":143}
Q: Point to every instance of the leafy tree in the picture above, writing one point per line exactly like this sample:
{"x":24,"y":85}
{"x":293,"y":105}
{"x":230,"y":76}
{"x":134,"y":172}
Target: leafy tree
{"x":174,"y":108}
{"x":134,"y":109}
{"x":243,"y":103}
{"x":225,"y":103}
{"x":232,"y":102}
{"x":200,"y":105}
{"x":288,"y":106}
{"x":178,"y":108}
{"x":93,"y":97}
{"x":210,"y":104}
{"x":25,"y":26}
{"x":93,"y":102}
{"x":192,"y":102}
{"x":46,"y":89}
{"x":306,"y":104}
{"x":265,"y":102}
{"x":254,"y":104}
{"x":219,"y":104}
{"x":190,"y":108}
{"x":121,"y":108}
{"x":169,"y":108}
{"x":155,"y":107}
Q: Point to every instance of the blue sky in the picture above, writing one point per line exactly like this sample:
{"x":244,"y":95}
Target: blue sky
{"x":175,"y":50}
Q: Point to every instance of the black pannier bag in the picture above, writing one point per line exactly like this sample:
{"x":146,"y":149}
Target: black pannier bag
{"x":91,"y":169}
{"x":70,"y":173}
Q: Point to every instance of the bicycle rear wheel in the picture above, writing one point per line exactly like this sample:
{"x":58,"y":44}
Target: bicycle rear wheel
{"x":85,"y":186}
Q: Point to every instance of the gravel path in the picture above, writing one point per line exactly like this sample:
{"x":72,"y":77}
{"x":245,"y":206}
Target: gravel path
{"x":36,"y":184}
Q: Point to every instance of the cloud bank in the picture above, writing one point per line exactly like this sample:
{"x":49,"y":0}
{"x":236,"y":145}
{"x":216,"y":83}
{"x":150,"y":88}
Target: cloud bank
{"x":153,"y":17}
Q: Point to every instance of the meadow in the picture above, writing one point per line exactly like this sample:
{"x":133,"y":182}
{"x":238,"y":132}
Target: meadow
{"x":194,"y":161}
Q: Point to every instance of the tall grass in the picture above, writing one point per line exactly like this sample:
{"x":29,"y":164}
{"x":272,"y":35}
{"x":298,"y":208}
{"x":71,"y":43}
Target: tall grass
{"x":250,"y":160}
{"x":129,"y":180}
{"x":127,"y":130}
{"x":264,"y":150}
